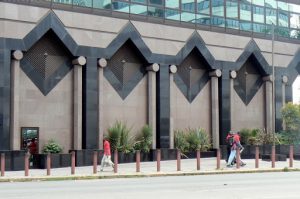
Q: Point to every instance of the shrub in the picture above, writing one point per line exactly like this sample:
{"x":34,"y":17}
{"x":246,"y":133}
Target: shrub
{"x":180,"y":141}
{"x":205,"y":142}
{"x":52,"y":147}
{"x":119,"y":137}
{"x":144,"y":139}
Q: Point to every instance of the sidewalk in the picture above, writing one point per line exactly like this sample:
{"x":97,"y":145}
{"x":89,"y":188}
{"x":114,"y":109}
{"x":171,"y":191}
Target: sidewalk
{"x":149,"y":169}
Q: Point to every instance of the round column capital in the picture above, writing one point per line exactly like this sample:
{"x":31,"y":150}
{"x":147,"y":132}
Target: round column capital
{"x":153,"y":67}
{"x":215,"y":73}
{"x":233,"y":74}
{"x":17,"y":55}
{"x":173,"y":69}
{"x":79,"y":61}
{"x":285,"y":79}
{"x":102,"y":62}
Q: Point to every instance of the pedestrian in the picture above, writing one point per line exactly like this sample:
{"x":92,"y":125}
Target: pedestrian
{"x":229,"y":141}
{"x":236,"y":145}
{"x":106,"y":159}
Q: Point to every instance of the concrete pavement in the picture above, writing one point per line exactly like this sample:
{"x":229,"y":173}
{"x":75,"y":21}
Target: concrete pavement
{"x":149,"y":169}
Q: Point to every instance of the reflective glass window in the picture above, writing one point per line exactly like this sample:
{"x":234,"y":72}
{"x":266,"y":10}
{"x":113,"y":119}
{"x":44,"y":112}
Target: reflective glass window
{"x":260,"y":28}
{"x":120,"y":6}
{"x":218,"y":21}
{"x":155,"y":12}
{"x":233,"y":24}
{"x":283,"y":32}
{"x":271,"y":16}
{"x":217,"y":7}
{"x":62,"y":1}
{"x":246,"y":1}
{"x":203,"y":19}
{"x":271,"y":4}
{"x":258,"y":2}
{"x":245,"y":26}
{"x":83,"y":3}
{"x":294,"y":8}
{"x":172,"y":14}
{"x":283,"y":18}
{"x":295,"y":34}
{"x":203,"y":6}
{"x":139,"y":1}
{"x":258,"y":14}
{"x":103,"y":4}
{"x":187,"y":17}
{"x":282,"y":5}
{"x":172,"y":4}
{"x":188,"y":5}
{"x":294,"y":20}
{"x":156,"y":2}
{"x":231,"y":9}
{"x":245,"y":12}
{"x":138,"y":9}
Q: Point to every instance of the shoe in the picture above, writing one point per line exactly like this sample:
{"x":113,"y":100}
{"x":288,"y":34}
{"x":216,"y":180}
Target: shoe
{"x":243,"y":164}
{"x":229,"y":165}
{"x":101,"y":170}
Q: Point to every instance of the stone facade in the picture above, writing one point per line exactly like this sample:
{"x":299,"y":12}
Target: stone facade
{"x":112,"y":94}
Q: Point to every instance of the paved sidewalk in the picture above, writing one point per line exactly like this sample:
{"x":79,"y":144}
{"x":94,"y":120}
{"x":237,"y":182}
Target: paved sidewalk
{"x":149,"y":169}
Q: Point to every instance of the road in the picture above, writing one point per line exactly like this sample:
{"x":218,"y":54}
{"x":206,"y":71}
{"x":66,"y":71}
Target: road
{"x":228,"y":186}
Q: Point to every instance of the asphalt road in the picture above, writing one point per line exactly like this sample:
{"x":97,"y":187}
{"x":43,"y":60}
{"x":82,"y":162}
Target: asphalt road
{"x":285,"y":185}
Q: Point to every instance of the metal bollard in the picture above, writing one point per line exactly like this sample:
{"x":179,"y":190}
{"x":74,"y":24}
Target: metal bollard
{"x":48,"y":163}
{"x":73,"y":162}
{"x":158,"y":158}
{"x":198,"y":159}
{"x":238,"y":158}
{"x":273,"y":156}
{"x":116,"y":161}
{"x":291,"y":155}
{"x":218,"y":158}
{"x":95,"y":159}
{"x":138,"y":161}
{"x":2,"y":164}
{"x":26,"y":164}
{"x":256,"y":157}
{"x":178,"y":160}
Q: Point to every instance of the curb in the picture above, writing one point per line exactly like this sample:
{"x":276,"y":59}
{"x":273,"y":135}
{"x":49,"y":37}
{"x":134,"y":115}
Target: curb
{"x":140,"y":175}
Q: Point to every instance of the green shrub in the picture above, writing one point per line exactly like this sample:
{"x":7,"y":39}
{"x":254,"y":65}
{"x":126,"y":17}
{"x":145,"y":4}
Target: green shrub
{"x":192,"y":139}
{"x":180,"y":141}
{"x":205,"y":142}
{"x":52,"y":147}
{"x":144,"y":139}
{"x":119,"y":137}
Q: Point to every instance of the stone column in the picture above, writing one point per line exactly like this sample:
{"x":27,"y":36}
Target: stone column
{"x":215,"y":107}
{"x":151,"y":105}
{"x":77,"y":97}
{"x":233,"y":75}
{"x":284,"y":83}
{"x":173,"y":70}
{"x":268,"y":103}
{"x":102,"y":63}
{"x":15,"y":131}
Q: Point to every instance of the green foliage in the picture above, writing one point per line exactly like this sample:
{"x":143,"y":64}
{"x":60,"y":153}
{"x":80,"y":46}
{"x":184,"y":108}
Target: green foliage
{"x":119,"y":137}
{"x":191,"y":140}
{"x":291,"y":116}
{"x":180,"y":141}
{"x":52,"y":147}
{"x":248,"y":136}
{"x":258,"y":137}
{"x":144,"y":139}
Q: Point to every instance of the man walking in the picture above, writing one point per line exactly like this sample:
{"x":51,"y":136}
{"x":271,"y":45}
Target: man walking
{"x":107,"y":155}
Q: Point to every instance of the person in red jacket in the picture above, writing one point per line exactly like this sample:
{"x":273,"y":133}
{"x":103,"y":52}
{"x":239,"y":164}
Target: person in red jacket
{"x":106,"y":159}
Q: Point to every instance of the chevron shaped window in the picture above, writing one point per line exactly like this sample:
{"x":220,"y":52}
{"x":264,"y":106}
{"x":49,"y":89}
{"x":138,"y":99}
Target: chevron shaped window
{"x":125,"y":69}
{"x":249,"y":80}
{"x":47,"y":62}
{"x":192,"y":75}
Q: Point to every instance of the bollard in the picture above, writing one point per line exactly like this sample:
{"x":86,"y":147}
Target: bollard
{"x":138,"y":161}
{"x":116,"y":161}
{"x":73,"y":162}
{"x":198,"y":159}
{"x":273,"y":156}
{"x":218,"y":158}
{"x":291,"y":155}
{"x":256,"y":157}
{"x":178,"y":160}
{"x":95,"y":159}
{"x":158,"y":157}
{"x":26,"y":164}
{"x":48,"y":163}
{"x":2,"y":164}
{"x":238,"y":158}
